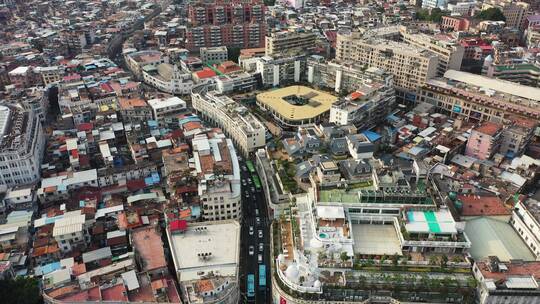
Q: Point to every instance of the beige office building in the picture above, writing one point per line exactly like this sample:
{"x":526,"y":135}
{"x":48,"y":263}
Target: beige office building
{"x":449,"y":51}
{"x":478,"y":98}
{"x":246,"y":131}
{"x":289,"y":43}
{"x":411,"y":66}
{"x":514,"y":12}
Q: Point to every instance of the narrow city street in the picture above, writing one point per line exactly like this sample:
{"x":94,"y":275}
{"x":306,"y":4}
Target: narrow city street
{"x":255,"y":239}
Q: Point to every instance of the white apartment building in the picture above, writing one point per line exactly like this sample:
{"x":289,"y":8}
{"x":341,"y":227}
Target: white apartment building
{"x":218,"y":171}
{"x":70,"y":231}
{"x":526,"y":221}
{"x":21,"y":146}
{"x":434,"y":3}
{"x":165,"y":111}
{"x":246,"y":131}
{"x":276,"y":72}
{"x":216,"y":54}
{"x":344,"y":77}
{"x":20,"y":198}
{"x":506,"y":282}
{"x":58,"y":187}
{"x":168,"y":78}
{"x":461,"y":8}
{"x":449,"y":51}
{"x":238,"y":82}
{"x":215,"y":260}
{"x":135,"y":61}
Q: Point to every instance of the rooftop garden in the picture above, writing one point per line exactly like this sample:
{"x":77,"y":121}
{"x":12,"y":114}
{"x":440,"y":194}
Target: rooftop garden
{"x":286,"y":171}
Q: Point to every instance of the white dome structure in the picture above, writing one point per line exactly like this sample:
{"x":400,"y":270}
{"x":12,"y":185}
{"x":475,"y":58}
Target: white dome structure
{"x":292,"y":272}
{"x":317,"y":284}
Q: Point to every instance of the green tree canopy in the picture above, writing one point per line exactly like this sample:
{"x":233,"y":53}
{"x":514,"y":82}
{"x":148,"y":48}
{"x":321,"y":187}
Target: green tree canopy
{"x":20,"y":291}
{"x":435,"y":15}
{"x":492,"y":14}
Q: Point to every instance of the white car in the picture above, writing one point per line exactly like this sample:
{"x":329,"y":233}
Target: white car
{"x":258,"y":220}
{"x":261,"y":247}
{"x":260,"y":234}
{"x":251,"y":230}
{"x":259,"y":258}
{"x":251,"y":250}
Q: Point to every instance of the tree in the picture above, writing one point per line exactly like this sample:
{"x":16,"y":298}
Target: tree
{"x":492,"y":14}
{"x":436,"y":15}
{"x":457,"y":259}
{"x":344,"y":257}
{"x":233,"y":53}
{"x":395,"y":259}
{"x":444,"y":261}
{"x":20,"y":291}
{"x":422,"y":14}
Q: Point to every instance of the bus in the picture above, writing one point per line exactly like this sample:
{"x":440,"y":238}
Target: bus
{"x":250,"y":166}
{"x":262,"y":277}
{"x":256,"y":181}
{"x":250,"y":286}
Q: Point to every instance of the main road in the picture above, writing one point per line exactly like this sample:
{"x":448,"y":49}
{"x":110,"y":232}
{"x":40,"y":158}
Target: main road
{"x":255,"y":237}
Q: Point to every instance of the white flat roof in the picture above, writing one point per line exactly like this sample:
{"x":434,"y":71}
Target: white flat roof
{"x":69,"y":224}
{"x":221,"y":239}
{"x":375,"y":239}
{"x":521,"y":283}
{"x":19,"y":193}
{"x":330,"y":212}
{"x":71,"y":143}
{"x":78,"y":177}
{"x":495,"y":84}
{"x":130,"y":280}
{"x":164,"y":103}
{"x":426,"y":132}
{"x":104,"y":211}
{"x":19,"y":70}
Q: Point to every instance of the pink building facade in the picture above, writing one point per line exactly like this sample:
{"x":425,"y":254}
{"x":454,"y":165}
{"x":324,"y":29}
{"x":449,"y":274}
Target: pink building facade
{"x":484,"y":141}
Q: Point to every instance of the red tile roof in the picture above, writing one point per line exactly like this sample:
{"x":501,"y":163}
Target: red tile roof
{"x":489,"y":128}
{"x":482,"y":205}
{"x":514,"y":269}
{"x":159,"y":283}
{"x":205,"y":73}
{"x":85,"y":126}
{"x":148,"y":244}
{"x":356,"y":94}
{"x":178,"y":225}
{"x":115,"y":293}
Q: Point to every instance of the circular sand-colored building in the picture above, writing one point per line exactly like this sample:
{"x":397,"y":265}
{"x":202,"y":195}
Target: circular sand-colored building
{"x":296,"y":105}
